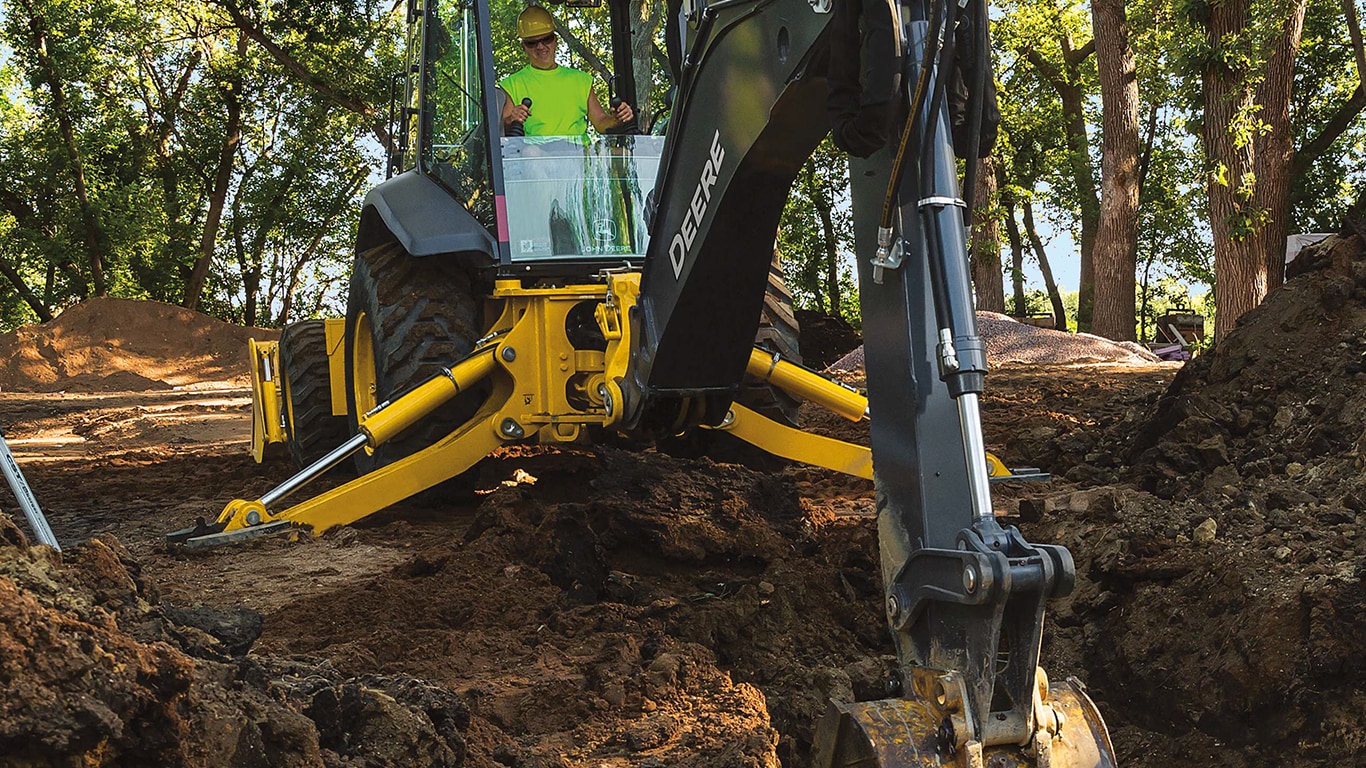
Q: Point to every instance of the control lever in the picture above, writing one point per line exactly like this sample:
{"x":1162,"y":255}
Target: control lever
{"x":614,"y":100}
{"x":517,"y":128}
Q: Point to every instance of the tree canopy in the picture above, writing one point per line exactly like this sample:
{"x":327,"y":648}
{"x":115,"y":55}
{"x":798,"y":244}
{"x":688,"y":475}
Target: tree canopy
{"x":214,"y":153}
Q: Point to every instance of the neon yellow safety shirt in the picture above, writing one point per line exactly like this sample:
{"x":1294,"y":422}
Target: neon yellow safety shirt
{"x":559,"y":99}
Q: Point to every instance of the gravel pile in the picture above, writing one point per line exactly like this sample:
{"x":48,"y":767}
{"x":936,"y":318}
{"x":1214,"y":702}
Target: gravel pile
{"x":1012,"y":342}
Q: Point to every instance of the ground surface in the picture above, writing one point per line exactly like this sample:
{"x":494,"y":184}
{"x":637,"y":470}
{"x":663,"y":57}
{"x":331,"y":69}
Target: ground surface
{"x":597,"y":607}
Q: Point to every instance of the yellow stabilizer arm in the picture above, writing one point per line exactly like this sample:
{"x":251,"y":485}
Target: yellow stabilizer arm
{"x":807,"y":385}
{"x":366,"y":495}
{"x":782,"y":440}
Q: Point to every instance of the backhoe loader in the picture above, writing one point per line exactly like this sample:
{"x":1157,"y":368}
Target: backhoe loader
{"x":511,"y":289}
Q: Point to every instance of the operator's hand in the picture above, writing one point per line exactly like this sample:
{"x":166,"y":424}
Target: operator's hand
{"x":624,"y":113}
{"x":518,"y":113}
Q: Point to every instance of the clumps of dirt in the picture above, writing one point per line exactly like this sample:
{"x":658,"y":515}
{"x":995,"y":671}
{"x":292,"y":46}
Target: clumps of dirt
{"x":108,"y":344}
{"x":1220,"y":601}
{"x":1010,"y":342}
{"x":94,"y":671}
{"x":647,"y":610}
{"x":1234,"y":629}
{"x":824,"y":338}
{"x":1281,"y":396}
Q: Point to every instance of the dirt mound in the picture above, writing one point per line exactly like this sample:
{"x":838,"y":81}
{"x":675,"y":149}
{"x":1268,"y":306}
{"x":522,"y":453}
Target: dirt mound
{"x":1011,"y":342}
{"x":107,"y":344}
{"x":1281,"y":396}
{"x":825,"y":338}
{"x":676,"y":613}
{"x":94,"y":672}
{"x":1223,"y":600}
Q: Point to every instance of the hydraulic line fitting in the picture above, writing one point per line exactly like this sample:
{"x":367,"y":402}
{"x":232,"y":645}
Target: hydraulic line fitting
{"x":888,"y":253}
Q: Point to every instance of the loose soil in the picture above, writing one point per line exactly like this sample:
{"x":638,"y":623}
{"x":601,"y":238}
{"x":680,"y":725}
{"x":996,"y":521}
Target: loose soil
{"x":598,"y":607}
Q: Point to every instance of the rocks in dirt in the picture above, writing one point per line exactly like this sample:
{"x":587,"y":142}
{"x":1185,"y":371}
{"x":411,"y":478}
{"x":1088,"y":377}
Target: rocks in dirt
{"x":1205,"y":531}
{"x":93,"y":671}
{"x":386,"y":720}
{"x":1280,"y":396}
{"x":236,"y":629}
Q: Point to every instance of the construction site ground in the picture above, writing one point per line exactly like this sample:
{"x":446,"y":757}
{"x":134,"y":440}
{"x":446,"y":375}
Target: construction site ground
{"x":606,"y":606}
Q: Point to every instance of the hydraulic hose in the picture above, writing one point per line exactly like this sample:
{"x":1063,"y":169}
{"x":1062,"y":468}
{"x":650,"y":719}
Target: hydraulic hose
{"x":977,"y":98}
{"x":917,"y":103}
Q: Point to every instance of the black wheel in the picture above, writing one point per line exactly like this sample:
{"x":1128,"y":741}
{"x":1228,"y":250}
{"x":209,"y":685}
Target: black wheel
{"x":778,"y":332}
{"x":406,"y":318}
{"x":310,"y":427}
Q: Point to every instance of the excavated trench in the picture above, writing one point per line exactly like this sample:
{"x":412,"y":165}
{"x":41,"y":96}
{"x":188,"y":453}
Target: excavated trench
{"x":600,"y":607}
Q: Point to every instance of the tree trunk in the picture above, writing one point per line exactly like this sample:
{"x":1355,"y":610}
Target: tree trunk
{"x":645,"y":18}
{"x":1116,"y":245}
{"x":218,"y":194}
{"x":985,"y":247}
{"x":1249,"y":175}
{"x":1016,"y":262}
{"x":1275,"y":160}
{"x":1016,"y":247}
{"x":1059,"y":311}
{"x":25,"y":292}
{"x":1056,"y":298}
{"x":96,"y":239}
{"x":1067,"y":83}
{"x":830,"y":249}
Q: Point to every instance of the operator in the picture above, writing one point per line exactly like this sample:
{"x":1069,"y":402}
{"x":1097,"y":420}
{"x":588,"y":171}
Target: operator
{"x":561,"y":97}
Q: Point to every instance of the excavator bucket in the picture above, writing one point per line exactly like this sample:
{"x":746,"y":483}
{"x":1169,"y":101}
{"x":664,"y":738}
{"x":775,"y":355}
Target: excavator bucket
{"x":917,"y":732}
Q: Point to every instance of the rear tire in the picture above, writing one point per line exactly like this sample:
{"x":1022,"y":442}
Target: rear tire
{"x":778,"y":332}
{"x":310,"y":427}
{"x":406,"y":319}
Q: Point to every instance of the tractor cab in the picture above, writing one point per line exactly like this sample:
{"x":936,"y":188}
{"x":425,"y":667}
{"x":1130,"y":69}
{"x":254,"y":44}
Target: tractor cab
{"x":557,"y":206}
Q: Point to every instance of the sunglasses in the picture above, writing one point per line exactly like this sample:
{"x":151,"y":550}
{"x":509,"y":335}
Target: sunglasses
{"x":540,"y":41}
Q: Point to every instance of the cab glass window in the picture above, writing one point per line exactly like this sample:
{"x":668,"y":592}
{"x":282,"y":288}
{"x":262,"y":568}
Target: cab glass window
{"x":455,"y":149}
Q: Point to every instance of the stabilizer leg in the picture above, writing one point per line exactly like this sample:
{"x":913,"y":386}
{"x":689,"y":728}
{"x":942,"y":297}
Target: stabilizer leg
{"x":457,"y":452}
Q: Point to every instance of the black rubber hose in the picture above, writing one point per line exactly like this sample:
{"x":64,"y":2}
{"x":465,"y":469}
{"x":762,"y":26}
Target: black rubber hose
{"x":917,"y":102}
{"x":976,"y":105}
{"x":943,"y":72}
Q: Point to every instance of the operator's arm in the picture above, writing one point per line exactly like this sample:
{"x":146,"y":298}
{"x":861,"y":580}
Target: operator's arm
{"x":513,"y":112}
{"x":603,"y":120}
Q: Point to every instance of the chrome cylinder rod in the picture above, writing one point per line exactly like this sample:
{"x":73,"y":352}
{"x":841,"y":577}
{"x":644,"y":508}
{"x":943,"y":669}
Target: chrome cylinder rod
{"x":333,"y":458}
{"x":975,"y":452}
{"x":24,"y":494}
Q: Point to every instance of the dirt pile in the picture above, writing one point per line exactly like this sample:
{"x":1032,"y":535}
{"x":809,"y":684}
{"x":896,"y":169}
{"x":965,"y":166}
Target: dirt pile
{"x":824,"y":338}
{"x":675,"y":612}
{"x":1010,"y":342}
{"x":108,"y":344}
{"x":1281,"y":395}
{"x":1222,"y":602}
{"x":93,"y":671}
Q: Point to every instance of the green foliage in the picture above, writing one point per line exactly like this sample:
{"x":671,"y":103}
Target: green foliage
{"x":816,"y":237}
{"x":149,"y":90}
{"x":1325,"y":77}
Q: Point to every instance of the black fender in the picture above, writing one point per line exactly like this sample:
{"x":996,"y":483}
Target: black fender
{"x":420,"y":215}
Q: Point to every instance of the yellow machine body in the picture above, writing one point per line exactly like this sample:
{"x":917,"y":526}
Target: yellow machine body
{"x":543,"y":389}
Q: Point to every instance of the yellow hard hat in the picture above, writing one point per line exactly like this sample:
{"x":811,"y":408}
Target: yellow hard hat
{"x":534,"y":22}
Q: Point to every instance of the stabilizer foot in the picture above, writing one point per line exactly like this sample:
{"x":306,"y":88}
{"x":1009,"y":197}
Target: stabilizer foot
{"x":202,"y":536}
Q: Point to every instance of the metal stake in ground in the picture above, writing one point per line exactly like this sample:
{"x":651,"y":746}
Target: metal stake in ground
{"x":24,"y":494}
